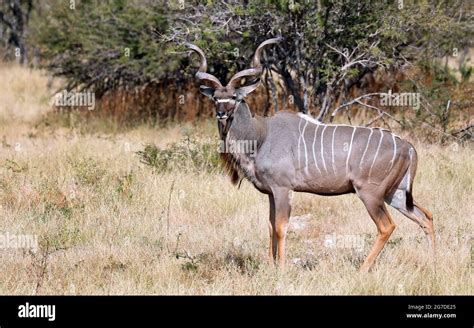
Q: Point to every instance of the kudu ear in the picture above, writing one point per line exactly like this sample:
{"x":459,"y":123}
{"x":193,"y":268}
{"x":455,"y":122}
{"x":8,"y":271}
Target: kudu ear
{"x":242,"y":92}
{"x":207,"y":91}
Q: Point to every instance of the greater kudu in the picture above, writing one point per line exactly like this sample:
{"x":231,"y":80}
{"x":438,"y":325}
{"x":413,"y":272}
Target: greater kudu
{"x":296,"y":152}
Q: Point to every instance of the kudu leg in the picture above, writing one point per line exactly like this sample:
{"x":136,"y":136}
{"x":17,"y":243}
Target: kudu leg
{"x":420,"y":216}
{"x":385,"y":226}
{"x":272,"y":253}
{"x":428,"y":227}
{"x":279,"y":224}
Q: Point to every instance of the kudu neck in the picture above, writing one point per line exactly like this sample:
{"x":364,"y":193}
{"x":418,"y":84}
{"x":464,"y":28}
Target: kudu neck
{"x":243,"y":126}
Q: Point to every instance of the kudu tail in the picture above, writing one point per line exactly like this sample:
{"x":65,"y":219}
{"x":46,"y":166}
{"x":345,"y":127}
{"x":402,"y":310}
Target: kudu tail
{"x":412,"y":172}
{"x":409,"y":198}
{"x":401,"y":193}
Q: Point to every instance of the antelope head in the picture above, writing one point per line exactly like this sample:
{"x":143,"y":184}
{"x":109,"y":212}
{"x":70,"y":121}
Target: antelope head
{"x":227,"y":98}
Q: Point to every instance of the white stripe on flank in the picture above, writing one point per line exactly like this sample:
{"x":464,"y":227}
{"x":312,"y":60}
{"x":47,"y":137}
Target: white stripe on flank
{"x":350,"y":150}
{"x":322,"y":149}
{"x":314,"y":153}
{"x":305,"y":151}
{"x":333,"y":165}
{"x":299,"y":142}
{"x":366,"y":147}
{"x":410,"y":152}
{"x":394,"y":151}
{"x":376,"y":153}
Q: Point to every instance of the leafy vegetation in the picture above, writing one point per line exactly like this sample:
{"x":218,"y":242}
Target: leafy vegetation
{"x":186,"y":155}
{"x":131,"y":53}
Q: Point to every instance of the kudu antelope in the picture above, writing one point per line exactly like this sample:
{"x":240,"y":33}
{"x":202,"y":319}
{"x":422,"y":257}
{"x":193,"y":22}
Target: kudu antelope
{"x":298,"y":153}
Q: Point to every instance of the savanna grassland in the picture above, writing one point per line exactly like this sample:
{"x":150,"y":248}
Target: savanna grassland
{"x":116,"y":215}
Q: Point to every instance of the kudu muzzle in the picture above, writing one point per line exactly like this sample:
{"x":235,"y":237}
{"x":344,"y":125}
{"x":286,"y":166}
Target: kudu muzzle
{"x":225,"y":108}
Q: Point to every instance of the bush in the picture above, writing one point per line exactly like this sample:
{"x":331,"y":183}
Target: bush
{"x":185,"y":155}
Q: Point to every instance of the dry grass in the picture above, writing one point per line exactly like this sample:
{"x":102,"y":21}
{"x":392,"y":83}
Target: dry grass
{"x":25,"y":95}
{"x":107,"y":224}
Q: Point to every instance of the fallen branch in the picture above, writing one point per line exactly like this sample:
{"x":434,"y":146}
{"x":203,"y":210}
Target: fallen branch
{"x":439,"y":131}
{"x":463,"y":130}
{"x":374,"y":120}
{"x":369,"y":95}
{"x":381,"y":112}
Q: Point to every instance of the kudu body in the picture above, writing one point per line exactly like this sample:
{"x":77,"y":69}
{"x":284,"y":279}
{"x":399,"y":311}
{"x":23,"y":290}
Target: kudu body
{"x":298,"y":153}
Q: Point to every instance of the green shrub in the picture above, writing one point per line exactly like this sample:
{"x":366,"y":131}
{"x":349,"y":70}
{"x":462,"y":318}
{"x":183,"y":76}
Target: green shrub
{"x":88,"y":171}
{"x":187,"y":154}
